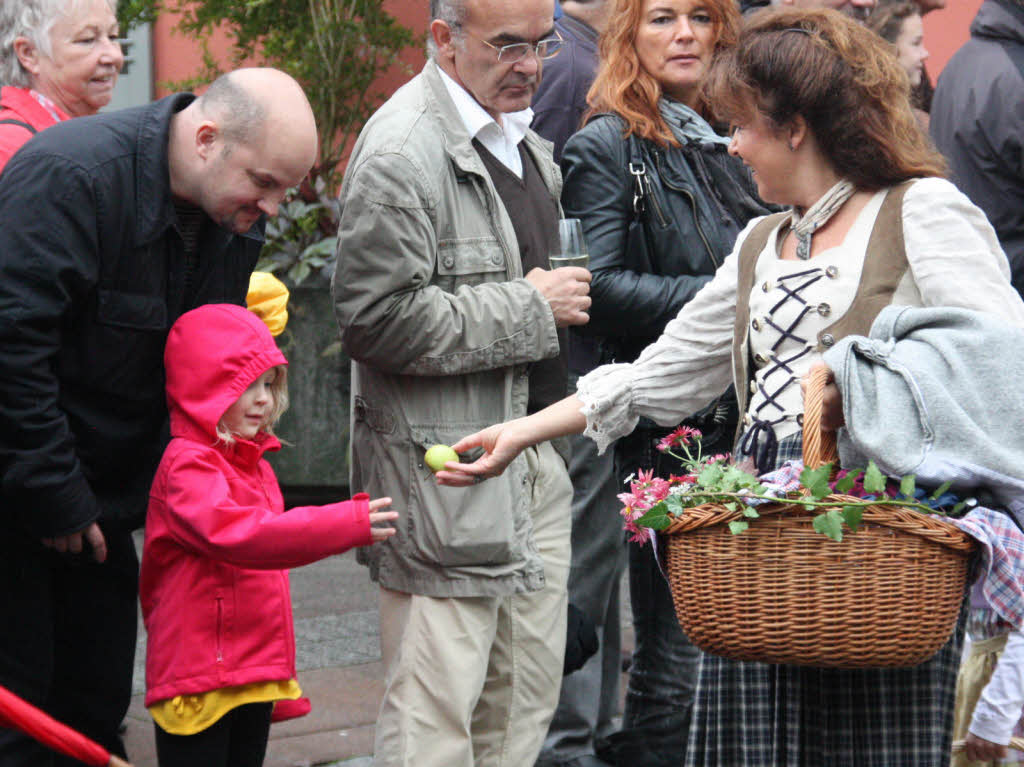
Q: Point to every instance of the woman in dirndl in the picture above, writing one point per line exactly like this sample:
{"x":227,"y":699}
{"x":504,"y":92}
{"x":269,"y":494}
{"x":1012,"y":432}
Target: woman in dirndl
{"x":820,"y":113}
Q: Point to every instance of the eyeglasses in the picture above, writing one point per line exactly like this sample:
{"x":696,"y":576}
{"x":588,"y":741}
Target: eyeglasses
{"x":547,"y":48}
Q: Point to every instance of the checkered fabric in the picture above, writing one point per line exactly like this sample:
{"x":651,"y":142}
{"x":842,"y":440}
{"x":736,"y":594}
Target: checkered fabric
{"x":1002,"y":561}
{"x":757,"y":715}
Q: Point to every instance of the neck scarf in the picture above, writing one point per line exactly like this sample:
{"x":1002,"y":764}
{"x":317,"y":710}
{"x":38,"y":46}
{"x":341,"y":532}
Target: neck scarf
{"x":48,"y":105}
{"x":817,"y":215}
{"x":686,"y":125}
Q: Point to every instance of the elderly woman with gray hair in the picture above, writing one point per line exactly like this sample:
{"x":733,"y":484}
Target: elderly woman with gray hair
{"x":58,"y":59}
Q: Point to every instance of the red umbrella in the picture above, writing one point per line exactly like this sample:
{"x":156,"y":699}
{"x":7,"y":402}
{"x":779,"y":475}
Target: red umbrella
{"x":18,"y":714}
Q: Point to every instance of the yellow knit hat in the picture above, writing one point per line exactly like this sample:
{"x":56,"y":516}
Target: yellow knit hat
{"x":268,"y":300}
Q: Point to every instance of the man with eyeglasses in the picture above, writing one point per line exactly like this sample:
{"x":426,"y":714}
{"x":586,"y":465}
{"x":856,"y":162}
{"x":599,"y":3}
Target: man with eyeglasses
{"x":454,"y":322}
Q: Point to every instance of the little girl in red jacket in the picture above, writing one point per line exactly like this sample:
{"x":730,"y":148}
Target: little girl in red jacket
{"x":214,"y":579}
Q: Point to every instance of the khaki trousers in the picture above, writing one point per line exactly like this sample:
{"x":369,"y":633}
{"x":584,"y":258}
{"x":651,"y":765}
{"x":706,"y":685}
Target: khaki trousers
{"x":473,"y":681}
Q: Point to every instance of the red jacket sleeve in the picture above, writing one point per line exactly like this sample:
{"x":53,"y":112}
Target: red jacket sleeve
{"x":202,"y":513}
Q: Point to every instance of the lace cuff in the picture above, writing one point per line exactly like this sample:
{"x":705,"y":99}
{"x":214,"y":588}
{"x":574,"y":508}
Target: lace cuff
{"x":607,"y":396}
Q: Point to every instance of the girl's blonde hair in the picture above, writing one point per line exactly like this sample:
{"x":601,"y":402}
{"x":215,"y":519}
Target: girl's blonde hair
{"x":279,"y":391}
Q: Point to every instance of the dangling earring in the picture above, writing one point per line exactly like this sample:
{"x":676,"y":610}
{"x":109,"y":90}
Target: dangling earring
{"x":791,"y":147}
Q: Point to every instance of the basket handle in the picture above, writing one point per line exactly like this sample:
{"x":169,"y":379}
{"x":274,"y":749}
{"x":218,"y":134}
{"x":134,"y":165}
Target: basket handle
{"x":819,"y":446}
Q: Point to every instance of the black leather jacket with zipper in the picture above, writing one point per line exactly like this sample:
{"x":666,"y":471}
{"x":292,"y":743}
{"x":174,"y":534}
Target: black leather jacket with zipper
{"x":696,"y":200}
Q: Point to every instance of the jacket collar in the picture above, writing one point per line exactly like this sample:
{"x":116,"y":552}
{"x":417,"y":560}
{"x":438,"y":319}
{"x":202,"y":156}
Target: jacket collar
{"x":243,"y":453}
{"x":477,"y":119}
{"x":458,"y":143}
{"x":21,"y":101}
{"x":154,"y":202}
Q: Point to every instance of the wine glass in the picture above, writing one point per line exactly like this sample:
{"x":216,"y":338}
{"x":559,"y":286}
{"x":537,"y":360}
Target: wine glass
{"x":571,"y":247}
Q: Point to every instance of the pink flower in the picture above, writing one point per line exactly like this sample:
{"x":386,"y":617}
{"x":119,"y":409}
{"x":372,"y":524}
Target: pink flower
{"x":638,"y":534}
{"x":681,"y":436}
{"x":648,"y":488}
{"x":632,"y":507}
{"x":685,"y":479}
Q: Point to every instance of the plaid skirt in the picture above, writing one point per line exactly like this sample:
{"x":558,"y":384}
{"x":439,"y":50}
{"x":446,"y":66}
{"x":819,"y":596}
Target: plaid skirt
{"x":759,"y":715}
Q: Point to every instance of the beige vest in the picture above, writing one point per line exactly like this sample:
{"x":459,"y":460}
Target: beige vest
{"x":885,"y":263}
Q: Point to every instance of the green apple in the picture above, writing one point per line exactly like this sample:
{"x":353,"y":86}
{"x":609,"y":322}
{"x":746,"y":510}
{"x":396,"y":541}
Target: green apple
{"x":438,"y":455}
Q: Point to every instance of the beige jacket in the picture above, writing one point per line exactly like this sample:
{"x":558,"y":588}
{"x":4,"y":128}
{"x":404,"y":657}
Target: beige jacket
{"x":441,"y":326}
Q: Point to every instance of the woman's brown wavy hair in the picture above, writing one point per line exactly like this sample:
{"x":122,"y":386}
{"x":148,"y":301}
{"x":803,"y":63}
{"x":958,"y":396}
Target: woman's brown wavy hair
{"x":624,"y":87}
{"x":841,"y":78}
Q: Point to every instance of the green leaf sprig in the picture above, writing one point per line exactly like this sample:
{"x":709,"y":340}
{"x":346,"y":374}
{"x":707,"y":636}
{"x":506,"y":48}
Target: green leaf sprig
{"x":734,"y":488}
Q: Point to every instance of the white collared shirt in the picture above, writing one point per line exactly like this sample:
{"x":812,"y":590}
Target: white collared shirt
{"x":503,"y":143}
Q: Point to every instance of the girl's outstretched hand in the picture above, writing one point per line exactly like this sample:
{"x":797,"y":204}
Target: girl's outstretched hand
{"x":381,"y":533}
{"x":501,"y":444}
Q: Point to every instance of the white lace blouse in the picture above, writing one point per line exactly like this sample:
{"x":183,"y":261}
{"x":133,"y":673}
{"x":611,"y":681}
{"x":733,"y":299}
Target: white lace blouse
{"x":955,"y":260}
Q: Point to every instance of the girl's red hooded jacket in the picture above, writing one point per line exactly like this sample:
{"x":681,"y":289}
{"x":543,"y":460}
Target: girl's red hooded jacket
{"x":213,"y":583}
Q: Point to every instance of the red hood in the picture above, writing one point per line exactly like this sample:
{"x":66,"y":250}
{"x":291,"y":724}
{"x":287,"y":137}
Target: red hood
{"x":213,"y":353}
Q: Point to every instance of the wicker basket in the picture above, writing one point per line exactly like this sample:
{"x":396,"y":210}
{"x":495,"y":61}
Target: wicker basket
{"x":780,"y":592}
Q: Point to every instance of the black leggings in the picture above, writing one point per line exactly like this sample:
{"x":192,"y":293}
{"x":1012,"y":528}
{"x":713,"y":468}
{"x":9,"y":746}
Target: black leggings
{"x":68,"y":639}
{"x":237,"y":739}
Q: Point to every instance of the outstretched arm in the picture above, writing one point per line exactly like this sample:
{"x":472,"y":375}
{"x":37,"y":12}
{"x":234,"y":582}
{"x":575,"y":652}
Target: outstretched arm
{"x":504,"y":441}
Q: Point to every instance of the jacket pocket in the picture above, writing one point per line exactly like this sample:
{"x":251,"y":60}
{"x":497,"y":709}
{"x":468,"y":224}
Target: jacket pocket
{"x":469,"y":261}
{"x":134,"y":311}
{"x":459,"y":527}
{"x":122,"y":352}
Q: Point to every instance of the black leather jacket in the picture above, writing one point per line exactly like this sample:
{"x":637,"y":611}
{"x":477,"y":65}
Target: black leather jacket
{"x":699,"y":198}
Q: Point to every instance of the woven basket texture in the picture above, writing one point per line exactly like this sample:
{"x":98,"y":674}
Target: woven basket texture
{"x":781,"y":592}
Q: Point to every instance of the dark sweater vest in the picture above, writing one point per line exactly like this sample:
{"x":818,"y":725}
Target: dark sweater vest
{"x":534,"y":214}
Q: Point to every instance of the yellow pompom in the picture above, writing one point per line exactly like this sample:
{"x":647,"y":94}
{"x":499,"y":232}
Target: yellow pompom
{"x":268,"y":300}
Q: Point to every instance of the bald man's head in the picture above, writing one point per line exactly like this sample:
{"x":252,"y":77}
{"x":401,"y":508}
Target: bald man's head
{"x":247,"y":101}
{"x":238,"y":148}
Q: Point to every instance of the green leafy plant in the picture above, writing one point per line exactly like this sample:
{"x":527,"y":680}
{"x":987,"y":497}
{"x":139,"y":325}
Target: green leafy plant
{"x":301,"y":239}
{"x":335,"y":48}
{"x":132,"y":13}
{"x":653,"y":502}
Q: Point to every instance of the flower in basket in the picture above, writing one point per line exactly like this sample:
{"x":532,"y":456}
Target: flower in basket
{"x":653,"y":502}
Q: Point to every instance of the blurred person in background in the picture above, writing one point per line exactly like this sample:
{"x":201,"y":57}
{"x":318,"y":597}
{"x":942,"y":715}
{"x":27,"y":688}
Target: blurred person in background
{"x":58,"y":59}
{"x":977,"y":121}
{"x":899,"y":22}
{"x":922,"y":93}
{"x":856,"y":9}
{"x":561,"y":98}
